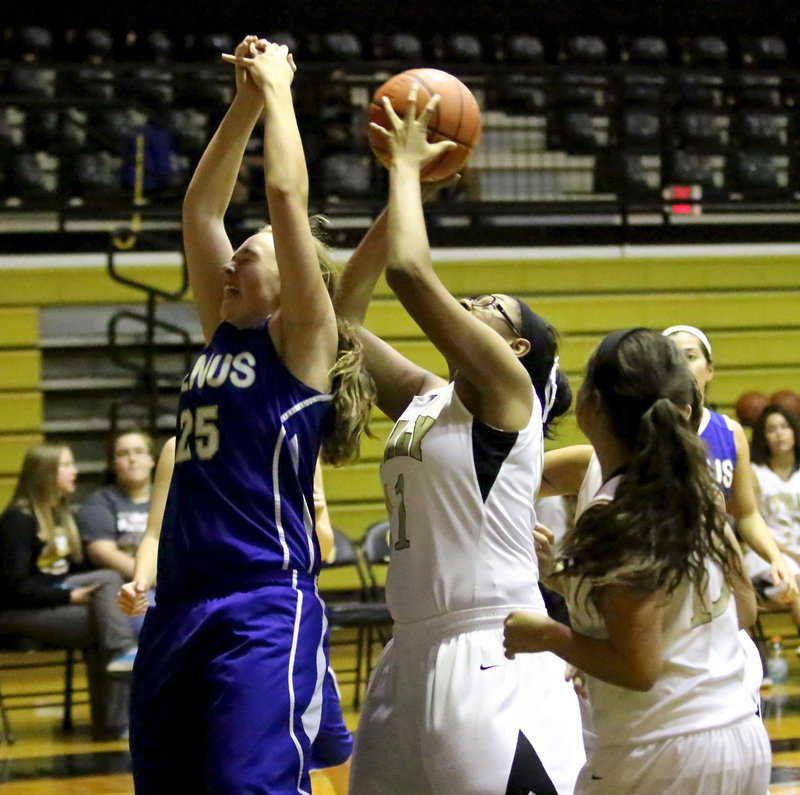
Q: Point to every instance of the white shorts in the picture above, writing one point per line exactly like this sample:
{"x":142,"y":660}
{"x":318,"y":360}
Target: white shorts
{"x":445,"y":711}
{"x":734,"y":760}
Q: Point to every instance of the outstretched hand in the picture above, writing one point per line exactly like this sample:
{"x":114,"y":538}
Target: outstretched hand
{"x":408,"y":138}
{"x":267,"y":63}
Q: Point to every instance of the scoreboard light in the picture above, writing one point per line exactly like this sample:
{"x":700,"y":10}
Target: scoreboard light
{"x":682,"y":193}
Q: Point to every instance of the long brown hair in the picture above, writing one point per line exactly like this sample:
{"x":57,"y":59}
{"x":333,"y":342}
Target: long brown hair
{"x":37,"y":493}
{"x":665,"y":520}
{"x":759,"y":447}
{"x":354,"y":387}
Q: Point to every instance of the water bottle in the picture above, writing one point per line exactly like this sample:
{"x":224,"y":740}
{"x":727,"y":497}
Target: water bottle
{"x":777,"y":666}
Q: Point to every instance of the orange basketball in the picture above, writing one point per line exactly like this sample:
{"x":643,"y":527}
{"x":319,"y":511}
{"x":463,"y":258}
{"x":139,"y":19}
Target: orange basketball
{"x":749,"y":407}
{"x":456,"y":118}
{"x":789,"y":401}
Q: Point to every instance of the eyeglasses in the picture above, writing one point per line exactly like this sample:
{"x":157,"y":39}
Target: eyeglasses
{"x":485,"y":301}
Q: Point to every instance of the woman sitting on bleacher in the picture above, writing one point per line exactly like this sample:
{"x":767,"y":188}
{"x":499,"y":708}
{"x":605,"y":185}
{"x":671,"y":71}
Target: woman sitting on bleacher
{"x":775,"y":455}
{"x":40,"y":599}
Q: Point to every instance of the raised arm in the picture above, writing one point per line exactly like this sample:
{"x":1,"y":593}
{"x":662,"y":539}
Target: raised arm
{"x":304,"y":327}
{"x":397,"y":379}
{"x":133,"y":595}
{"x":205,"y":241}
{"x":499,"y":390}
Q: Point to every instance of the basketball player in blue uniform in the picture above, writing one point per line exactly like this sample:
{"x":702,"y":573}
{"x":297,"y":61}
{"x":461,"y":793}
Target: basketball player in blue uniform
{"x":729,"y":459}
{"x":229,"y":677}
{"x":333,"y":745}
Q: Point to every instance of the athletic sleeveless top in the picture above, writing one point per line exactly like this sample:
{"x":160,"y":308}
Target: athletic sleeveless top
{"x":779,"y":504}
{"x":240,"y":505}
{"x":700,"y":685}
{"x":716,"y":431}
{"x":460,"y":500}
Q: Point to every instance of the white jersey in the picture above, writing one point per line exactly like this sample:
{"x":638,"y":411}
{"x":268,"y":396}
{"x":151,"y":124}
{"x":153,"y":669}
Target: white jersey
{"x":460,"y":499}
{"x":700,"y":685}
{"x":779,"y":504}
{"x":445,"y":710}
{"x":592,"y":482}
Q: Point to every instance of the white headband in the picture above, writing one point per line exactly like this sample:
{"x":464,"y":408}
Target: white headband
{"x":550,"y":390}
{"x":695,"y":332}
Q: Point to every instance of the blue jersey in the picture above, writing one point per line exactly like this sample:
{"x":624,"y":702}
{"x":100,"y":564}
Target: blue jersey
{"x":716,"y":431}
{"x":240,"y":505}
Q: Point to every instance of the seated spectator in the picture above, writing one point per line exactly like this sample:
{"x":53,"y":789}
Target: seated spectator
{"x":775,"y":456}
{"x":113,"y":518}
{"x":43,"y":596}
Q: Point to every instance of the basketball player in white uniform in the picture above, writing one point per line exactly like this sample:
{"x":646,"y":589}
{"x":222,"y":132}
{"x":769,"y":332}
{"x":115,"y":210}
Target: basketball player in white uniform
{"x":445,"y":711}
{"x":656,"y":592}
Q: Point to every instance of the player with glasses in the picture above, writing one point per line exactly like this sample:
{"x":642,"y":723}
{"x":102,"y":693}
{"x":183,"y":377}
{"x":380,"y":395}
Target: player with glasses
{"x":445,"y":711}
{"x":493,"y":302}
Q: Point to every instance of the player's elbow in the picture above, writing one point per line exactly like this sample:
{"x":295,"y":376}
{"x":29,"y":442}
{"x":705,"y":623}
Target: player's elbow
{"x":402,"y":273}
{"x":643,"y":677}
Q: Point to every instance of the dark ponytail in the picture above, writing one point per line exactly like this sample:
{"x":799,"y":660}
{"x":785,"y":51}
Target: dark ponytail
{"x":666,"y":517}
{"x":539,"y":362}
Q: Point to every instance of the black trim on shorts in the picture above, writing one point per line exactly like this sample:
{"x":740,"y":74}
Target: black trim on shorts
{"x":528,"y":776}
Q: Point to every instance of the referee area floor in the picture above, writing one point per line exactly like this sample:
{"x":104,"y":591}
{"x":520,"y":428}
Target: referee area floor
{"x":47,"y":761}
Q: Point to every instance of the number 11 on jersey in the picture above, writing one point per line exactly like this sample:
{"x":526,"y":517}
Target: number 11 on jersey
{"x":396,"y":507}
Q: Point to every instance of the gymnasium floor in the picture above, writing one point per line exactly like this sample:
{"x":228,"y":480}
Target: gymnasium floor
{"x":45,"y":761}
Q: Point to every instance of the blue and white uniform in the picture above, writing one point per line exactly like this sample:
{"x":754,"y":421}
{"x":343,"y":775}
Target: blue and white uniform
{"x":227,"y":692}
{"x":716,"y":430}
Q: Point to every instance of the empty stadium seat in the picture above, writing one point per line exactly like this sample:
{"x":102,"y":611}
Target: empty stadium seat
{"x":33,"y":175}
{"x":523,"y":48}
{"x":763,"y":51}
{"x":704,"y":51}
{"x":458,"y":48}
{"x":584,"y":50}
{"x":644,"y":50}
{"x":641,"y":127}
{"x":405,"y":47}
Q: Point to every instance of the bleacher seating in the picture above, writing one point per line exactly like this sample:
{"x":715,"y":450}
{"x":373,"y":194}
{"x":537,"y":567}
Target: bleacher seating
{"x":585,"y":137}
{"x":633,"y":114}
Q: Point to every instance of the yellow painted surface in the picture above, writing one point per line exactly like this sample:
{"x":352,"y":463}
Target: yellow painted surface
{"x":19,"y":327}
{"x":13,"y":448}
{"x":7,"y":485}
{"x":20,"y":411}
{"x":20,"y":369}
{"x":77,"y":285}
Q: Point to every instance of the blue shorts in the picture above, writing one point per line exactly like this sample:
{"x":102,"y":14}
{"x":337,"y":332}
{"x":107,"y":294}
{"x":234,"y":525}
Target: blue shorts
{"x":228,"y":692}
{"x":334,"y":743}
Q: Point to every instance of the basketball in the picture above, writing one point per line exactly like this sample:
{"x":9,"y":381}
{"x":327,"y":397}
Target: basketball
{"x":749,"y":407}
{"x":789,"y":401}
{"x":456,"y":118}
